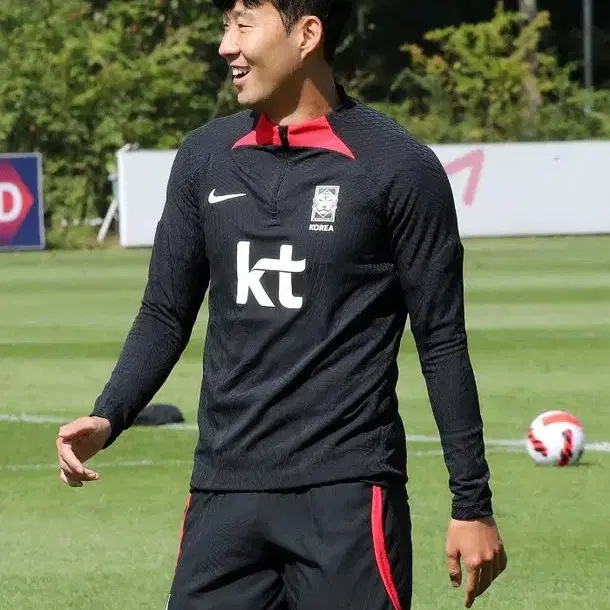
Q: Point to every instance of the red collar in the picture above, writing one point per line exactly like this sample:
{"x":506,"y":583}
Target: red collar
{"x":316,"y":133}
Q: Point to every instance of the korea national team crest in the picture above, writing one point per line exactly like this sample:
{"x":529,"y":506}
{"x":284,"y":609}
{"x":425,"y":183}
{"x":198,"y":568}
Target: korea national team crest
{"x":324,"y":210}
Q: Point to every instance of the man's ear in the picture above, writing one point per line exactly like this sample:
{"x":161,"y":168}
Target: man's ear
{"x":311,"y":33}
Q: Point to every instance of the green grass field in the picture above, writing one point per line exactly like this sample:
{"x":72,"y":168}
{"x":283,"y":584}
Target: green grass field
{"x":538,"y":315}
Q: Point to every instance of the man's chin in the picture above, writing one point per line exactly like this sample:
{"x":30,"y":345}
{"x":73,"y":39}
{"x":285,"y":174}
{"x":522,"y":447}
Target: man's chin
{"x":244,"y":98}
{"x":250,"y":100}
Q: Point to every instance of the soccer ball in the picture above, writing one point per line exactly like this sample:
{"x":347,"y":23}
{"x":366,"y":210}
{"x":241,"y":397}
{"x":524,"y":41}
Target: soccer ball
{"x":556,"y":438}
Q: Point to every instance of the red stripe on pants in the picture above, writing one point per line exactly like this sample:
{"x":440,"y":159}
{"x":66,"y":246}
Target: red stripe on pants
{"x":186,"y":508}
{"x":381,"y":553}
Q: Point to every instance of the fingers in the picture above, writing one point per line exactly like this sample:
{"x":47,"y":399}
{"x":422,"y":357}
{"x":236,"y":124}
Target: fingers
{"x":500,"y":562}
{"x":454,"y":569}
{"x":482,"y":573}
{"x":472,"y":583}
{"x":77,"y":480}
{"x":72,"y":471}
{"x":486,"y":576}
{"x":503,"y":559}
{"x":68,"y":461}
{"x":64,"y":479}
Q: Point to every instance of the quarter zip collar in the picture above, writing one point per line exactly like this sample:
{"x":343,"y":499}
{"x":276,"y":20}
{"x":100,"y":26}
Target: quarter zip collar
{"x":315,"y":133}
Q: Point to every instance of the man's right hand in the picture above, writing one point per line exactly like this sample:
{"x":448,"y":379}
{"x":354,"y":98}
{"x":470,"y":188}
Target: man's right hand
{"x":77,"y":442}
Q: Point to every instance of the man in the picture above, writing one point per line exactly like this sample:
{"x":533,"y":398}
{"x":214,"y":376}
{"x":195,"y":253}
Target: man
{"x":316,"y":224}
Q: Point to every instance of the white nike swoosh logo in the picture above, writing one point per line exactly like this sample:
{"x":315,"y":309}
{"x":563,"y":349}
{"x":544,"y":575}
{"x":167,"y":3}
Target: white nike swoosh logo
{"x":213,"y":198}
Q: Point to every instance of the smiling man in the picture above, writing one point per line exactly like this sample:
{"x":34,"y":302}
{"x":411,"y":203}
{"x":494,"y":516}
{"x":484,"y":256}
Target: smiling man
{"x":316,"y":225}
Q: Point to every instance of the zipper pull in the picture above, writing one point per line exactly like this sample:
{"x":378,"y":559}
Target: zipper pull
{"x":284,"y":136}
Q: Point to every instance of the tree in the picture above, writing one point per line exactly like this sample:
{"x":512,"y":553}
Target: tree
{"x":529,"y":8}
{"x":470,"y":87}
{"x":80,"y":79}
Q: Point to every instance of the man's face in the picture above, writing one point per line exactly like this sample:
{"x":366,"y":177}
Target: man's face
{"x":262,"y":55}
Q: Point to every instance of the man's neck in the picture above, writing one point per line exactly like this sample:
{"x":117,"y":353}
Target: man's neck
{"x":309,"y":99}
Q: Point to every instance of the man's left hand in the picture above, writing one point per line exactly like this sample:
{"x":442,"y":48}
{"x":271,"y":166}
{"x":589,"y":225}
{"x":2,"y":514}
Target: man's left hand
{"x":478,"y":544}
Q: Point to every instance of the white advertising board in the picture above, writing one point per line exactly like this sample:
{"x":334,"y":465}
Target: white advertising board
{"x":551,"y":188}
{"x":529,"y":189}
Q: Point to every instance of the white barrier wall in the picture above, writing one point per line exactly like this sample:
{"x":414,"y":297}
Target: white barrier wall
{"x":500,"y":189}
{"x":142,"y":181}
{"x":530,"y":189}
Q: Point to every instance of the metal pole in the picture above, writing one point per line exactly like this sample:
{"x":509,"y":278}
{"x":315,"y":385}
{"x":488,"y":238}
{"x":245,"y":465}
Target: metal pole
{"x":529,"y":8}
{"x":588,"y":41}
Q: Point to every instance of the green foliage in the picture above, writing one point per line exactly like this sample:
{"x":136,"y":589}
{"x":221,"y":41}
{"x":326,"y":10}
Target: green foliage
{"x":81,"y":78}
{"x":491,"y":82}
{"x":78,"y":81}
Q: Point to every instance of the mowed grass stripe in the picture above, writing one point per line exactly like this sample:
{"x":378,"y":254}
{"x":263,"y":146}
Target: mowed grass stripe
{"x":74,"y":261}
{"x":540,"y":295}
{"x":70,"y":350}
{"x":555,"y":251}
{"x":48,"y":287}
{"x":509,"y":292}
{"x":526,"y":279}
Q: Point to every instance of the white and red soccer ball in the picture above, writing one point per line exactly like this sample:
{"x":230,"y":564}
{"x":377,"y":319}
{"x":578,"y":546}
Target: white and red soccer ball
{"x":556,"y":438}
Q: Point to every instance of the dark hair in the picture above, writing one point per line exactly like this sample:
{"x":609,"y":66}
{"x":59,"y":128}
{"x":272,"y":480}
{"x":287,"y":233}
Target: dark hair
{"x":334,"y":14}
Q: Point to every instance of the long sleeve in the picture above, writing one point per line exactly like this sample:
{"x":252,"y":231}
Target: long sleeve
{"x":429,"y":258}
{"x":177,"y":281}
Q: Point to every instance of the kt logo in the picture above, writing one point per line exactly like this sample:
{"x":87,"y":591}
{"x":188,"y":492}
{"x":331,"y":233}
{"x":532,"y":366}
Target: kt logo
{"x":16,"y":201}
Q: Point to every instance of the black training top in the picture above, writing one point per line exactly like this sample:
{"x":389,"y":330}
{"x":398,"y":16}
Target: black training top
{"x":314,"y":241}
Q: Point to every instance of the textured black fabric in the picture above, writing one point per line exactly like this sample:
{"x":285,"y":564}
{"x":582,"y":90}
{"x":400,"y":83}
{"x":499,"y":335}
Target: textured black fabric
{"x":305,"y":325}
{"x":309,"y":549}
